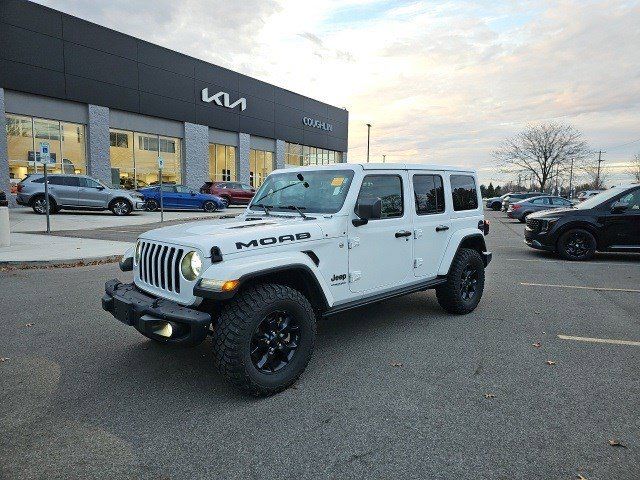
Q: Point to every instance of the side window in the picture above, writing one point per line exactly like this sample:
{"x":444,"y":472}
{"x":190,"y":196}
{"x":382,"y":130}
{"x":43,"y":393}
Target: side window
{"x":89,"y":183}
{"x":540,"y":201}
{"x":632,"y":199}
{"x":182,"y":189}
{"x":168,"y":189}
{"x":429,"y":194}
{"x":389,"y":189}
{"x":463,"y":191}
{"x":560,"y":201}
{"x":55,"y":181}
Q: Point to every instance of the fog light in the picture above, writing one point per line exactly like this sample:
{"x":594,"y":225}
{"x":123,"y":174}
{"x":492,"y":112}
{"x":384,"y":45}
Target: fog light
{"x":164,"y":330}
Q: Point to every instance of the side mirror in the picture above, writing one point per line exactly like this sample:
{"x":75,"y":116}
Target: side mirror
{"x":618,"y":207}
{"x":193,"y":194}
{"x":367,"y":209}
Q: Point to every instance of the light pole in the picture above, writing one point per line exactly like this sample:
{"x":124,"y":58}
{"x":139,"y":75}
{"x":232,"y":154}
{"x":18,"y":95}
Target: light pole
{"x":368,"y":139}
{"x":384,"y":159}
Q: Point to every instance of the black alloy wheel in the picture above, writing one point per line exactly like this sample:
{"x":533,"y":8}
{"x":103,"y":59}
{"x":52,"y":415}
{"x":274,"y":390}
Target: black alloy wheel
{"x":275,"y":342}
{"x":577,"y":244}
{"x":209,"y":206}
{"x":469,"y":282}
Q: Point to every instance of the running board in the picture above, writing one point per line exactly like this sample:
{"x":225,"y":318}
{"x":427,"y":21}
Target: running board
{"x":385,"y":296}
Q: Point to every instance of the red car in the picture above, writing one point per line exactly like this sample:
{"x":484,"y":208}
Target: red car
{"x":232,"y":193}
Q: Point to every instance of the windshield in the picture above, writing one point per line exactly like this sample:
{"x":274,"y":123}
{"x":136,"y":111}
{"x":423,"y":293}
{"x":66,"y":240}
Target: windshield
{"x":325,"y":194}
{"x":602,"y":197}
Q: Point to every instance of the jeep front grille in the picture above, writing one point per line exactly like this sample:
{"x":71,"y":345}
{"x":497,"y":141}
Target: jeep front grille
{"x":160,"y":266}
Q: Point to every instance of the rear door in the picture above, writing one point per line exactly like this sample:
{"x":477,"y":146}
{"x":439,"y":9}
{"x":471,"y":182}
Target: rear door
{"x":380,"y":252}
{"x":431,"y":226}
{"x":64,"y":189}
{"x":92,"y":194}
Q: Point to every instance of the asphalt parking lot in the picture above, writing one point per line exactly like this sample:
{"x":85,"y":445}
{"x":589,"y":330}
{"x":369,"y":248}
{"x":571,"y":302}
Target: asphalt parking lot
{"x":394,"y":390}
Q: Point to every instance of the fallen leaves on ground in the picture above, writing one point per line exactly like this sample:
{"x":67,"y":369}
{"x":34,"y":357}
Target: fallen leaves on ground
{"x":29,"y":324}
{"x":616,"y":443}
{"x":395,"y":364}
{"x":489,"y":395}
{"x":550,"y":362}
{"x":581,"y":477}
{"x":4,"y":359}
{"x":537,"y":344}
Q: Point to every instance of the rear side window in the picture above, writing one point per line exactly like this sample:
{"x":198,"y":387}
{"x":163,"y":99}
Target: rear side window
{"x":429,"y":194}
{"x":389,"y":189}
{"x":540,"y":201}
{"x":89,"y":183}
{"x":463,"y":191}
{"x":37,"y":180}
{"x":64,"y":181}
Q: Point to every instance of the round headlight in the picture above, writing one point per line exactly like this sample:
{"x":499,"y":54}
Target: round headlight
{"x":191,"y":266}
{"x":136,"y":255}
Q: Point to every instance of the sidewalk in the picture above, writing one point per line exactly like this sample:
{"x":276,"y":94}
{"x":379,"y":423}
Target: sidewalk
{"x":30,"y":248}
{"x":33,"y":250}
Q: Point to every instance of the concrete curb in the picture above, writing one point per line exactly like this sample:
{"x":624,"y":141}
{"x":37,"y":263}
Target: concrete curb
{"x":72,"y":263}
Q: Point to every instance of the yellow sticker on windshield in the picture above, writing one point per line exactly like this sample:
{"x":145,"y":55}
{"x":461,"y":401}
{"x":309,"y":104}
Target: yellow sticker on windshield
{"x":337,"y":181}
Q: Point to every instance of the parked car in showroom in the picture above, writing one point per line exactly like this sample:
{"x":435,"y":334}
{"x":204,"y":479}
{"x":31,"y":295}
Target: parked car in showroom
{"x":495,"y":203}
{"x":180,"y":197}
{"x":75,"y":192}
{"x":232,"y":193}
{"x":609,"y":221}
{"x":516,"y":197}
{"x":582,"y":196}
{"x":522,"y":209}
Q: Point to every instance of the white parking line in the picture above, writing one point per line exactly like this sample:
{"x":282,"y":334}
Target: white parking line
{"x":600,"y":340}
{"x":580,"y":287}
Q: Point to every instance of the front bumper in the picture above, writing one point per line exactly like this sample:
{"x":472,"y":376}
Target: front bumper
{"x":537,"y":240}
{"x":139,"y":204}
{"x":146,"y":314}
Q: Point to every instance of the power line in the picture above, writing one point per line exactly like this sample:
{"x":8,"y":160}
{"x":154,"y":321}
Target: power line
{"x":624,"y":144}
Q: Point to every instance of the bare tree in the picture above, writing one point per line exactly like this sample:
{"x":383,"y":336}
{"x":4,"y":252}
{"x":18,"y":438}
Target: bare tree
{"x":545,"y":151}
{"x":634,"y":171}
{"x":597,"y":178}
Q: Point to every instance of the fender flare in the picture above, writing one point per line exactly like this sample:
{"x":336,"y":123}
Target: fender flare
{"x":455,"y":241}
{"x":251,"y":268}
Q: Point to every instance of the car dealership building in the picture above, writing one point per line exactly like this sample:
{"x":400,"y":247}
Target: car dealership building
{"x":109,"y":105}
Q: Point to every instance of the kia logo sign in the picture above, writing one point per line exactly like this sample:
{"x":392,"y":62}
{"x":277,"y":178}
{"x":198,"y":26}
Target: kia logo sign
{"x":310,"y":122}
{"x":222,"y":99}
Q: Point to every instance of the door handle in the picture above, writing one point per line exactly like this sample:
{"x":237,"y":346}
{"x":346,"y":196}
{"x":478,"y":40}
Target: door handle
{"x":403,"y":233}
{"x":442,"y":228}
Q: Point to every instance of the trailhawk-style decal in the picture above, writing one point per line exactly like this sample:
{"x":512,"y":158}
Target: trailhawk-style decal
{"x":273,"y":240}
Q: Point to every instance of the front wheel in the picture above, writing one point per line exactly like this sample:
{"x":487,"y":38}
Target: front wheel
{"x":577,"y":244}
{"x":264,"y":338}
{"x":121,"y":207}
{"x":151,"y":205}
{"x":465,"y":283}
{"x":209,"y":206}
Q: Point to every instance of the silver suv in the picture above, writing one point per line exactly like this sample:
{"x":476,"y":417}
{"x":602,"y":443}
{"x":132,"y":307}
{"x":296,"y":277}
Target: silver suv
{"x":76,"y":192}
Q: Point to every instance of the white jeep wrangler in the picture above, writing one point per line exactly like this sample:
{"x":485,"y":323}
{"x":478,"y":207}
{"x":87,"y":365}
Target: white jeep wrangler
{"x":314,"y":241}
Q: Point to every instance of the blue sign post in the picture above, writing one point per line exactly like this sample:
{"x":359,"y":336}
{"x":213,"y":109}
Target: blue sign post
{"x":45,"y":159}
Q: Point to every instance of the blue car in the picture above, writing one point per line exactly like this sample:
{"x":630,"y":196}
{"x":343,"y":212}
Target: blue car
{"x":179,"y":197}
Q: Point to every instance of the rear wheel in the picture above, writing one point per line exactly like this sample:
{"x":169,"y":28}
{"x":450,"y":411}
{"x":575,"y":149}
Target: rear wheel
{"x":209,"y":206}
{"x":39,"y":205}
{"x":264,"y":338}
{"x":523,"y":218}
{"x":577,"y":244}
{"x":465,"y":283}
{"x":120,"y":207}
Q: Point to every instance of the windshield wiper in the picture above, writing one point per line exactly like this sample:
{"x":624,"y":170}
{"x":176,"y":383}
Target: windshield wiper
{"x":297,"y":209}
{"x":264,"y":207}
{"x":300,"y":182}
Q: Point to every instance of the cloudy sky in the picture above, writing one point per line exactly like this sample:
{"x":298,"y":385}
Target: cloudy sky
{"x":441,"y":81}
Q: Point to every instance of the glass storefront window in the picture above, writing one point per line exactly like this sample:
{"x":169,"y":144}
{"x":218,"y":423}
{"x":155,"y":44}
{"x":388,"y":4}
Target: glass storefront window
{"x":67,"y":145}
{"x":222,"y":163}
{"x":293,"y":155}
{"x":134,"y":159}
{"x":297,"y":155}
{"x":260,"y":165}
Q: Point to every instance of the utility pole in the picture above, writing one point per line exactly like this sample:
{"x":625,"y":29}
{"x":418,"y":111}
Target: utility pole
{"x":571,"y":180}
{"x":384,"y":159}
{"x":368,"y":138}
{"x":597,"y":185}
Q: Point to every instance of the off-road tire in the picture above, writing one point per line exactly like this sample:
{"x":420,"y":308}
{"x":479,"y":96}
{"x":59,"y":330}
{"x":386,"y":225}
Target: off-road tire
{"x":151,"y":205}
{"x":35,"y":205}
{"x":209,"y":206}
{"x":450,"y":294}
{"x":563,"y":245}
{"x":235,"y":327}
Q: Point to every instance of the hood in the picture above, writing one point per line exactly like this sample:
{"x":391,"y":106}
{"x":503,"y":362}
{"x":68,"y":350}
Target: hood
{"x":239,"y":235}
{"x":553,"y":213}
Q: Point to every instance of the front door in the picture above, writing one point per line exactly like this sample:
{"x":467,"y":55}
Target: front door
{"x":92,"y":194}
{"x":170,"y":199}
{"x":187,"y":197}
{"x":432,"y":228}
{"x":380,"y":252}
{"x":623,"y":228}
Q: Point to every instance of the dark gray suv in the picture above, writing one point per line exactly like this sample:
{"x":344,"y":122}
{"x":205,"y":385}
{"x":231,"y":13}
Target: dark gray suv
{"x":76,"y":192}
